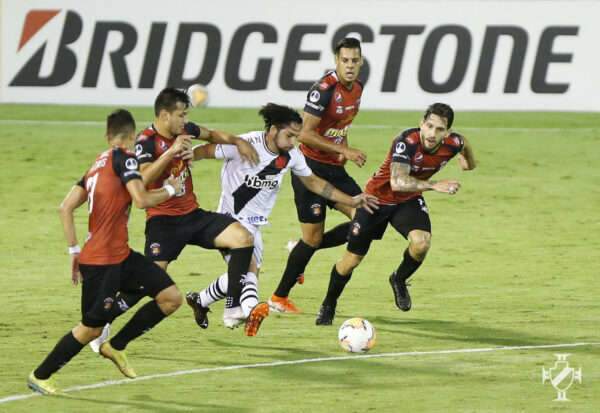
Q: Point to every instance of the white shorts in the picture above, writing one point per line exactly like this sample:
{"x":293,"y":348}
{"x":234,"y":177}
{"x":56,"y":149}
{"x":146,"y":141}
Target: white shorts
{"x":258,"y":243}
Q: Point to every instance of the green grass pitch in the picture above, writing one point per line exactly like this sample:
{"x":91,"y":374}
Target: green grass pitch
{"x":515,"y":261}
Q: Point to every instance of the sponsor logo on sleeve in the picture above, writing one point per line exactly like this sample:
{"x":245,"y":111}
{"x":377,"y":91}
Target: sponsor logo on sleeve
{"x":400,"y":147}
{"x":131,"y":164}
{"x":314,"y":96}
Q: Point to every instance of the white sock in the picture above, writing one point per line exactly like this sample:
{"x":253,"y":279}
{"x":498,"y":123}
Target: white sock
{"x":216,"y":290}
{"x":249,"y":297}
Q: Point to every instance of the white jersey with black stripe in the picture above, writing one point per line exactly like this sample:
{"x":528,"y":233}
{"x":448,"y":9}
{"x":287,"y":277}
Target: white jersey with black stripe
{"x":248,"y":192}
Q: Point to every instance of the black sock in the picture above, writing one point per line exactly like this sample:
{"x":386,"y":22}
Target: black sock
{"x":296,"y":264}
{"x":335,"y":236}
{"x":239,"y":262}
{"x":337,"y":282}
{"x":65,"y":350}
{"x":143,"y":320}
{"x":408,"y":266}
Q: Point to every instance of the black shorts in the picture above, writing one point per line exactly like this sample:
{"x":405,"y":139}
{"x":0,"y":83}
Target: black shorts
{"x":101,"y":283}
{"x":310,"y":206}
{"x":166,"y":236}
{"x":405,"y":217}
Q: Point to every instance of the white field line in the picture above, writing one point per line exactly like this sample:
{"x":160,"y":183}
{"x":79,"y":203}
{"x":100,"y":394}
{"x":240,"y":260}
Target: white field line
{"x":255,"y":125}
{"x":109,"y":383}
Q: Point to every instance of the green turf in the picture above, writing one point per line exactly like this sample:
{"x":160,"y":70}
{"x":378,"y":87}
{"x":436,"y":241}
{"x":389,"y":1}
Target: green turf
{"x":515,"y":261}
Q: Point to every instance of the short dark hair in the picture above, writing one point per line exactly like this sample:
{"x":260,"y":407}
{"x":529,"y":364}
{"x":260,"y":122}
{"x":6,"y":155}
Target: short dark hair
{"x":347,"y":43}
{"x":119,"y":122}
{"x":168,"y":98}
{"x":278,"y":116}
{"x":443,"y":111}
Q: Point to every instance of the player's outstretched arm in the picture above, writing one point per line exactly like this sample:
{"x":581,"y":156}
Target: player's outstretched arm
{"x":309,"y":136}
{"x":146,"y":199}
{"x":206,"y":151}
{"x":74,"y":199}
{"x":401,"y":181}
{"x":466,"y":158}
{"x":323,"y":188}
{"x":247,"y":151}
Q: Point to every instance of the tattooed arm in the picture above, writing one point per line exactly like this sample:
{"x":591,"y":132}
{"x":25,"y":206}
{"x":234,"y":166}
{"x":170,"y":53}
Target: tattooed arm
{"x":401,"y":181}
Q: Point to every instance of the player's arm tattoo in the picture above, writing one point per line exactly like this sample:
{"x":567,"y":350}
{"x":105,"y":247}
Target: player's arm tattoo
{"x":401,"y":181}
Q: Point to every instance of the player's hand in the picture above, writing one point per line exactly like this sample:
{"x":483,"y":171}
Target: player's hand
{"x":75,"y":273}
{"x":182,"y":143}
{"x":187,"y":155}
{"x":366,"y":201}
{"x":247,"y":151}
{"x":447,"y":186}
{"x":355,"y":155}
{"x":176,"y":183}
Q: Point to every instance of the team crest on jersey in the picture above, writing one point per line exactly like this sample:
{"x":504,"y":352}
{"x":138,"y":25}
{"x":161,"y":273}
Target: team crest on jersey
{"x":316,"y":209}
{"x":338,"y":97}
{"x":355,"y":229}
{"x":108,"y":303}
{"x":155,"y":248}
{"x":419,"y":157}
{"x":163,"y":145}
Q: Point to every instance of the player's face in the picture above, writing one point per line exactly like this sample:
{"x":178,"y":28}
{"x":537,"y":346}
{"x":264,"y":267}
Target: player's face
{"x":129,"y":141}
{"x":433,"y":130}
{"x":347,"y":65}
{"x":285,"y":139}
{"x":176,"y":119}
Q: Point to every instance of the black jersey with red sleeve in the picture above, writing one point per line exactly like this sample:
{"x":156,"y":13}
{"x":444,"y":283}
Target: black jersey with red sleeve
{"x":407,"y":149}
{"x":150,"y":145}
{"x":337,"y":106}
{"x":109,"y":203}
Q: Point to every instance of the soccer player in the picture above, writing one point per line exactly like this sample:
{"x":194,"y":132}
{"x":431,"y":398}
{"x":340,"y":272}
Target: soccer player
{"x":106,"y":264}
{"x":249,"y":193}
{"x":331,"y":105}
{"x":180,"y":221}
{"x":414,"y":157}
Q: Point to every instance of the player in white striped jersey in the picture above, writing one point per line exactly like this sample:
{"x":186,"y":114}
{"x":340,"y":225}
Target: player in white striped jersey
{"x":248,"y":194}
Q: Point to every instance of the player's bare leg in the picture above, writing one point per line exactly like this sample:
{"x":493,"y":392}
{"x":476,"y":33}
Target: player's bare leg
{"x":340,"y":275}
{"x":419,"y":244}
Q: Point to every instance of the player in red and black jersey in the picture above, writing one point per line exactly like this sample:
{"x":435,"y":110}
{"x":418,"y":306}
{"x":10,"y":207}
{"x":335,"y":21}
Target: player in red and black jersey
{"x":180,"y":221}
{"x":107,"y":265}
{"x":414,"y":157}
{"x":331,"y":105}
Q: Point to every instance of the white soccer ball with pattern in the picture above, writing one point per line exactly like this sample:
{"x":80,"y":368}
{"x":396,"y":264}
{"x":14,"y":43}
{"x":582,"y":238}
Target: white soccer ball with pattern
{"x":198,"y":95}
{"x":357,"y":335}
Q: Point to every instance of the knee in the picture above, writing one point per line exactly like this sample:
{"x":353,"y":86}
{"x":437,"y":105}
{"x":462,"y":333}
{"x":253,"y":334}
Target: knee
{"x":314,"y":239}
{"x":86,"y":334}
{"x":420,"y":246}
{"x":347,"y":264}
{"x":243,"y":238}
{"x":169,"y":300}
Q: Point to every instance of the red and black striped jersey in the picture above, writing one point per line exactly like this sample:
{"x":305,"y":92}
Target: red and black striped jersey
{"x":337,"y":107}
{"x":407,"y":149}
{"x":109,"y":204}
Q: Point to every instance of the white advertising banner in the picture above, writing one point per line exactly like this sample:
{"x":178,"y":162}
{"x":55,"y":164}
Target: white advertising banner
{"x":484,"y":55}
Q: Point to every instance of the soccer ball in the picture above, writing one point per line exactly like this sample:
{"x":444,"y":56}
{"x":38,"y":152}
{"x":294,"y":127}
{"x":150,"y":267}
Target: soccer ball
{"x":357,"y":335}
{"x":198,"y":95}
